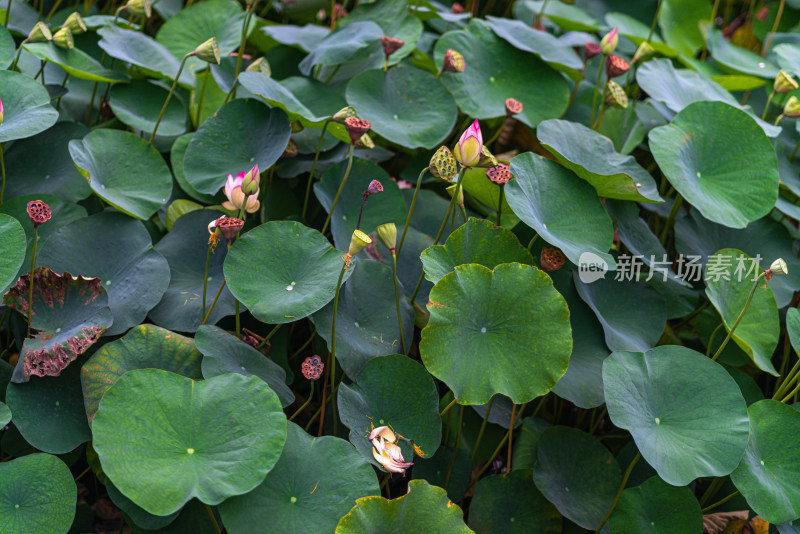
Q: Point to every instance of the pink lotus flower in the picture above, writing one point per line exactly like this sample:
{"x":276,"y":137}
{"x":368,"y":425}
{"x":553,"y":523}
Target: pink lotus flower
{"x":386,"y":451}
{"x":233,"y":190}
{"x":468,"y":149}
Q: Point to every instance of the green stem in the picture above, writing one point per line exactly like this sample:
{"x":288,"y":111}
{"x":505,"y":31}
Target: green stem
{"x":8,"y":13}
{"x":738,"y":319}
{"x":720,"y":502}
{"x":538,"y":18}
{"x":303,"y":407}
{"x":714,"y":10}
{"x":483,"y":427}
{"x":214,"y":302}
{"x":711,"y":490}
{"x":495,"y":453}
{"x":202,"y":96}
{"x":397,"y":302}
{"x":30,"y":279}
{"x":791,"y":393}
{"x":532,"y":241}
{"x":341,"y":186}
{"x":673,"y":212}
{"x":411,"y":210}
{"x":791,"y":377}
{"x":447,"y":408}
{"x":774,"y":29}
{"x":272,"y":332}
{"x":766,"y":107}
{"x":597,"y":86}
{"x":239,"y":58}
{"x":500,"y":204}
{"x":304,"y":345}
{"x":625,"y":478}
{"x":314,"y":167}
{"x":166,"y":102}
{"x":510,"y":438}
{"x":711,"y":340}
{"x":213,"y":519}
{"x":205,"y":282}
{"x":455,"y":446}
{"x":333,"y":347}
{"x":655,"y":20}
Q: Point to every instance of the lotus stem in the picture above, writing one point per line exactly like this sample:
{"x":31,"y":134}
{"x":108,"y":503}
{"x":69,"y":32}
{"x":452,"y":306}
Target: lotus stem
{"x":738,"y":319}
{"x":245,"y":24}
{"x":321,"y":410}
{"x":766,"y":107}
{"x":714,"y":10}
{"x":447,"y":408}
{"x":214,"y":302}
{"x":397,"y":303}
{"x":510,"y":438}
{"x":166,"y":102}
{"x":597,"y":86}
{"x":333,"y":346}
{"x":213,"y":519}
{"x":483,"y":427}
{"x":720,"y":502}
{"x":622,"y":484}
{"x":272,"y":332}
{"x":201,"y":97}
{"x":205,"y":282}
{"x":30,"y":279}
{"x":314,"y":167}
{"x":455,"y":447}
{"x":711,"y":490}
{"x":8,"y":14}
{"x":304,"y":345}
{"x":411,"y":210}
{"x":655,"y":20}
{"x":500,"y":204}
{"x":774,"y":28}
{"x":303,"y":407}
{"x":673,"y":212}
{"x":538,"y":18}
{"x":341,"y":186}
{"x":711,"y":339}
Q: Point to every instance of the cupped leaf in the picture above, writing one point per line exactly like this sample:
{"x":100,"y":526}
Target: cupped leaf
{"x":366,"y":320}
{"x":503,"y":331}
{"x":577,"y":474}
{"x":26,"y":107}
{"x":512,"y":504}
{"x":185,"y":247}
{"x":37,"y":494}
{"x":592,"y":157}
{"x":424,"y":508}
{"x":138,"y":105}
{"x":730,"y":278}
{"x":769,"y":474}
{"x":283,"y":271}
{"x":75,"y":62}
{"x":563,"y":209}
{"x":729,"y":187}
{"x":71,"y":313}
{"x":684,"y":411}
{"x":242,"y":133}
{"x":394,"y":101}
{"x":478,"y":241}
{"x":144,"y":347}
{"x":12,"y":250}
{"x":656,"y":507}
{"x":223,"y":353}
{"x":496,"y":70}
{"x":163,"y":438}
{"x":123,"y":170}
{"x":134,"y":277}
{"x":315,"y":482}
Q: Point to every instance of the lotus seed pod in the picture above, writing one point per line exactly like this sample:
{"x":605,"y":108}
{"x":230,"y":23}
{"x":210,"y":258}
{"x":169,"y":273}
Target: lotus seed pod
{"x":374,"y":187}
{"x":513,"y":106}
{"x":778,"y":268}
{"x":140,"y":8}
{"x":499,"y":174}
{"x":40,"y":33}
{"x":609,"y":42}
{"x":552,"y":259}
{"x":63,"y":39}
{"x":358,"y":241}
{"x":616,"y":66}
{"x":792,"y":107}
{"x":451,"y":190}
{"x":312,"y":367}
{"x":75,"y":23}
{"x":453,"y":61}
{"x":39,"y":212}
{"x":615,"y":95}
{"x":391,"y":45}
{"x":356,"y":127}
{"x":344,"y":113}
{"x":260,"y":65}
{"x":365,"y":141}
{"x":229,"y":226}
{"x":208,"y":51}
{"x":784,"y":83}
{"x":443,"y":164}
{"x":644,"y":52}
{"x":387,"y":234}
{"x":591,"y":50}
{"x":486,"y":160}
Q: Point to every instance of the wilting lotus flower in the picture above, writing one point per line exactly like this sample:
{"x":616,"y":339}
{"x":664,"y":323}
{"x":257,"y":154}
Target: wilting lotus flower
{"x":386,"y":451}
{"x":233,"y":190}
{"x":468,"y":149}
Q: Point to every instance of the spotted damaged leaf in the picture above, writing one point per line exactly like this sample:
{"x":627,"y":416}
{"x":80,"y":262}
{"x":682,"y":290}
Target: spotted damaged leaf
{"x":70,"y":313}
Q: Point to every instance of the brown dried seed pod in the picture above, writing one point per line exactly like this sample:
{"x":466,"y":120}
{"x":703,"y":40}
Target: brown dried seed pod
{"x":552,"y":259}
{"x":356,"y":127}
{"x":616,"y":66}
{"x":499,"y":174}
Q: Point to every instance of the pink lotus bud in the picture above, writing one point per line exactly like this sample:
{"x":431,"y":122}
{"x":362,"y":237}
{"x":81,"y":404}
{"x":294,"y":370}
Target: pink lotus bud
{"x":609,"y":42}
{"x":1,"y":112}
{"x":456,"y":8}
{"x":250,"y":182}
{"x":236,"y":197}
{"x":468,"y":149}
{"x":762,"y":13}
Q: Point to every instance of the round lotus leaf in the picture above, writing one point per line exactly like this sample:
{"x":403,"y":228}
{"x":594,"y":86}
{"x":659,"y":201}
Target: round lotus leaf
{"x":657,"y":507}
{"x":26,"y":107}
{"x":424,"y":508}
{"x":37,"y":494}
{"x":735,"y":58}
{"x":512,"y":504}
{"x":732,"y":188}
{"x":563,"y":209}
{"x":12,"y":250}
{"x":496,"y":70}
{"x":144,"y":347}
{"x":397,"y":392}
{"x":577,"y":474}
{"x":163,"y":438}
{"x":283,"y":271}
{"x":769,"y":474}
{"x":27,"y":172}
{"x":7,"y":48}
{"x":728,"y":284}
{"x":48,"y":411}
{"x":503,"y":331}
{"x":315,"y":482}
{"x":75,"y":62}
{"x":134,"y":277}
{"x":176,"y":161}
{"x":123,"y":170}
{"x":393,"y":101}
{"x":240,"y":134}
{"x":684,"y":411}
{"x":138,"y":105}
{"x":224,"y":353}
{"x":70,"y":314}
{"x":185,"y":248}
{"x":592,"y":156}
{"x":366,"y":321}
{"x":478,"y":241}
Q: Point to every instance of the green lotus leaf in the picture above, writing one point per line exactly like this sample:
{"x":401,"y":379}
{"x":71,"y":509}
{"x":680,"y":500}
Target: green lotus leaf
{"x":394,"y":18}
{"x":176,"y":155}
{"x":242,"y":133}
{"x":728,"y":286}
{"x":657,"y":507}
{"x":144,"y":347}
{"x":123,"y":170}
{"x":223,"y":353}
{"x":512,"y":503}
{"x":577,"y":474}
{"x":135,"y":513}
{"x":733,"y":58}
{"x":503,"y":331}
{"x":163,"y":438}
{"x":526,"y":445}
{"x":684,"y":411}
{"x":26,"y":107}
{"x":567,"y":17}
{"x":138,"y":104}
{"x":366,"y":321}
{"x":5,"y":415}
{"x":341,"y":45}
{"x":768,"y":474}
{"x":592,"y":157}
{"x":306,"y":38}
{"x":678,"y":22}
{"x":12,"y":250}
{"x":7,"y":48}
{"x":315,"y":482}
{"x":37,"y":494}
{"x":638,"y":32}
{"x":70,"y":313}
{"x":424,"y":508}
{"x":478,"y":241}
{"x":433,"y":470}
{"x":496,"y":70}
{"x":75,"y":62}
